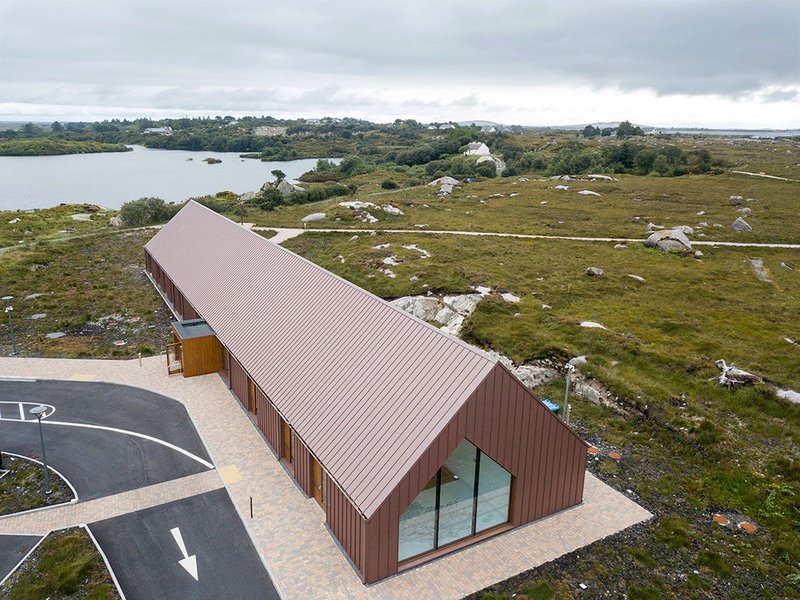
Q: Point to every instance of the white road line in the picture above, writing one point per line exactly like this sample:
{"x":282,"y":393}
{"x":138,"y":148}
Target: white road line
{"x":24,"y":558}
{"x":105,"y":560}
{"x":21,"y":412}
{"x":126,"y":432}
{"x":56,"y":471}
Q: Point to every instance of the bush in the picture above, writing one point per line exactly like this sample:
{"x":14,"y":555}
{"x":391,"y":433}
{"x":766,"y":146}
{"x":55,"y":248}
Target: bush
{"x":389,"y":184}
{"x":147,"y":211}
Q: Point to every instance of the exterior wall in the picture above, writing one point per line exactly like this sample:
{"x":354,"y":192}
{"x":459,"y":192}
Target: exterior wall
{"x":301,"y":461}
{"x":346,"y":524}
{"x":502,"y":418}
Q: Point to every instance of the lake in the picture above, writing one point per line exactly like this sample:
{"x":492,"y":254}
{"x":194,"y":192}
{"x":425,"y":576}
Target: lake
{"x":111,"y":178}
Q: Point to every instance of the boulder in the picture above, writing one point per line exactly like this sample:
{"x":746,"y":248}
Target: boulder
{"x":746,"y":211}
{"x":789,"y":395}
{"x":732,"y":376}
{"x":736,"y":200}
{"x":464,"y":304}
{"x":356,"y":205}
{"x":741,"y":225}
{"x":620,"y":246}
{"x":588,"y":193}
{"x":595,"y":272}
{"x":669,"y":241}
{"x":684,"y":229}
{"x":115,"y":222}
{"x":445,"y":181}
{"x":314,"y":217}
{"x":698,"y":254}
{"x":422,"y":307}
{"x":560,"y":187}
{"x":392,"y":210}
{"x":247,"y":196}
{"x":508,"y":297}
{"x":638,"y":278}
{"x":654,"y":227}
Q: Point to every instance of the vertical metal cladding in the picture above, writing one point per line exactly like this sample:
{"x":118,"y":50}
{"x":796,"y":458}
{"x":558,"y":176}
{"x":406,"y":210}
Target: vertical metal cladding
{"x":383,"y":423}
{"x":546,"y":459}
{"x":347,"y":524}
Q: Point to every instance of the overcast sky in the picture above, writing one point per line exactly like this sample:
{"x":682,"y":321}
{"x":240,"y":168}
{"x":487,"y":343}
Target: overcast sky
{"x":712,"y":63}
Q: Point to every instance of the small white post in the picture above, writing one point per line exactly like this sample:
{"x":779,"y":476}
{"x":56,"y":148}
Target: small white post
{"x":570,"y":368}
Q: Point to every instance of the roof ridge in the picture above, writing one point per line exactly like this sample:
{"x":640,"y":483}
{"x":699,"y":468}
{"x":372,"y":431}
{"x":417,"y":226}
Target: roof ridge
{"x":481,"y":353}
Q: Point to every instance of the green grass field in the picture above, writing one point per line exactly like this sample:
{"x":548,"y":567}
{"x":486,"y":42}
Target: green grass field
{"x":92,"y":289}
{"x":691,"y":448}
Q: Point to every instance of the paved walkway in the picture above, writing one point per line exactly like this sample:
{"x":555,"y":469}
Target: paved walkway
{"x":43,"y":521}
{"x":289,"y":233}
{"x":288,"y":529}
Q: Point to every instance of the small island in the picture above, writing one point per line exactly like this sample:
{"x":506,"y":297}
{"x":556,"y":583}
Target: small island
{"x":52,"y":147}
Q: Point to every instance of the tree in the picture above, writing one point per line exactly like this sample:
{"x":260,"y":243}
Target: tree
{"x":627,"y":129}
{"x":279,"y":175}
{"x":56,"y":126}
{"x":590,"y":131}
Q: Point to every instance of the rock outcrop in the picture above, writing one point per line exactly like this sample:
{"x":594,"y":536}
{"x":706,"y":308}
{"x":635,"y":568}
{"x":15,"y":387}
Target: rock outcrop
{"x":669,"y":240}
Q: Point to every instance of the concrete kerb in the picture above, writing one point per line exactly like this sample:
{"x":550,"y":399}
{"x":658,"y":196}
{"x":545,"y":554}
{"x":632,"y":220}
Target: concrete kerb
{"x":160,"y":392}
{"x":451,"y":576}
{"x":24,"y":558}
{"x":41,"y":508}
{"x":238,"y":510}
{"x":105,"y":560}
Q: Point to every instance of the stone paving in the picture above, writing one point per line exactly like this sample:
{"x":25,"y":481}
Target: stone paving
{"x":61,"y":516}
{"x":288,"y":529}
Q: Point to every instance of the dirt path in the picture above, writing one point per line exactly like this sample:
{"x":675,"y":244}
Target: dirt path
{"x":288,"y":233}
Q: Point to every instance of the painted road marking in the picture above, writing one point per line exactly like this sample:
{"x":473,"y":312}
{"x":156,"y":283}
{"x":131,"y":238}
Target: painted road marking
{"x":15,"y":411}
{"x":124,"y":432}
{"x":82,"y":377}
{"x":187,"y":562}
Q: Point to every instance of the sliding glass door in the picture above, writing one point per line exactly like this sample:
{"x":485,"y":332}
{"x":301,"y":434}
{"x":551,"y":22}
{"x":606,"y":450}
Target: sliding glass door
{"x":469,"y":494}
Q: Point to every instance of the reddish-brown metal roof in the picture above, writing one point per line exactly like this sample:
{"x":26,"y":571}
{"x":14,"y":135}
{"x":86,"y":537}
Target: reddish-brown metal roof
{"x":365,"y":385}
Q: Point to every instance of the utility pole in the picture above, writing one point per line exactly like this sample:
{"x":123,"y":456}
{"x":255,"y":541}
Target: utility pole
{"x":38,"y":412}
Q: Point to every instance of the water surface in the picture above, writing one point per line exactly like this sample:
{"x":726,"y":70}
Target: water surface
{"x":111,"y":178}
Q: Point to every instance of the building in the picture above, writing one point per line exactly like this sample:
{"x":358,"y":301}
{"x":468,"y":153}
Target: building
{"x":477,"y":149}
{"x":157,"y":131}
{"x":413,"y":442}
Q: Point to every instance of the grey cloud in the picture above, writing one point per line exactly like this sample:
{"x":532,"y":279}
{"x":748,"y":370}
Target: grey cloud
{"x":255,"y":53}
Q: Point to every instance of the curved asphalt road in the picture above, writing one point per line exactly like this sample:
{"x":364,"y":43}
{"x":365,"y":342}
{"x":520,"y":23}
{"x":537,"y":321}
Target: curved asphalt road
{"x":86,"y":441}
{"x":100,"y":462}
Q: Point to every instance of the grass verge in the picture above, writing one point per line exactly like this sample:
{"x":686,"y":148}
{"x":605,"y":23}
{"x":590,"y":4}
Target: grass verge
{"x":22,"y":488}
{"x":66,"y":565}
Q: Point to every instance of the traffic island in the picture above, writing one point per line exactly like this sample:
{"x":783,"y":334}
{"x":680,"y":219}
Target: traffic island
{"x":22,"y":486}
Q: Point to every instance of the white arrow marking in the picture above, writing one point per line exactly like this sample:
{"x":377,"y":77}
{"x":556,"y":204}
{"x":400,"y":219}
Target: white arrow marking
{"x":187,"y":562}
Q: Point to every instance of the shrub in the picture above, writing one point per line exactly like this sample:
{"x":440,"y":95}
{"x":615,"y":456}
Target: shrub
{"x":147,"y":211}
{"x":389,"y":184}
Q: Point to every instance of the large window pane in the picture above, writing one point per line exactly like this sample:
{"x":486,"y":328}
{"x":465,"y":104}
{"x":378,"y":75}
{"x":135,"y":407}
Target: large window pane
{"x":418,"y":523}
{"x":494,"y":494}
{"x":457,"y":493}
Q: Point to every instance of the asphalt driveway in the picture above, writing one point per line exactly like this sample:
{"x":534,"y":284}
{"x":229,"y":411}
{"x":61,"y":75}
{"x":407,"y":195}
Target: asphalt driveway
{"x":145,"y":553}
{"x":104,"y":438}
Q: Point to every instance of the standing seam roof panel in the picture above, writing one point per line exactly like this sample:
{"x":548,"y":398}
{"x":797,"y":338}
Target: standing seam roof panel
{"x":389,"y":382}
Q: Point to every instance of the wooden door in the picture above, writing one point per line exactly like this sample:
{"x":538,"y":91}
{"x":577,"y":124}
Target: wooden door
{"x":316,"y":481}
{"x":286,"y":441}
{"x":252,"y":406}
